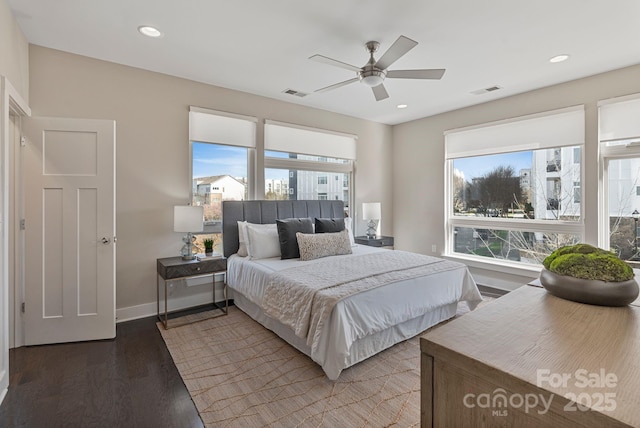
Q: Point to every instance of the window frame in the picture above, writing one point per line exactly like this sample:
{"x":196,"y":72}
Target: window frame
{"x":500,"y":223}
{"x":613,"y":130}
{"x":326,"y":144}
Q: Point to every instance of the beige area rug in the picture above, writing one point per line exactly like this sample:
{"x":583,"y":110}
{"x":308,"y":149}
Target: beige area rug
{"x":240,"y":374}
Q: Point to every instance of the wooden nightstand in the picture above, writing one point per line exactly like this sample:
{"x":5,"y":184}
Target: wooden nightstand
{"x":380,"y":241}
{"x":174,"y":268}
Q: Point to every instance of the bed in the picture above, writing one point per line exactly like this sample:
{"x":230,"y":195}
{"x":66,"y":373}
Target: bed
{"x":382,"y":305}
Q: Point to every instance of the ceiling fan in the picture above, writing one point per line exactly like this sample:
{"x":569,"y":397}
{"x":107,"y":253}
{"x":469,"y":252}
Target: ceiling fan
{"x":374,"y":72}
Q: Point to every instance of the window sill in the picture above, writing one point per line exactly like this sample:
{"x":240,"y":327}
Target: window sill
{"x":498,"y":266}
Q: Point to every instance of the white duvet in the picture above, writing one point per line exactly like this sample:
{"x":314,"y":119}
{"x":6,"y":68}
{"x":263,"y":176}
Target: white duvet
{"x":363,"y":314}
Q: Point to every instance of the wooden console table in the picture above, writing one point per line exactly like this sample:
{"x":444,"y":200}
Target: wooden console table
{"x":499,"y":366}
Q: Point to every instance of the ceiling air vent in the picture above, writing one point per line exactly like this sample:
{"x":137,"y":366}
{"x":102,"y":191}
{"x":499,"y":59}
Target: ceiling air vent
{"x":294,"y":92}
{"x":486,"y":90}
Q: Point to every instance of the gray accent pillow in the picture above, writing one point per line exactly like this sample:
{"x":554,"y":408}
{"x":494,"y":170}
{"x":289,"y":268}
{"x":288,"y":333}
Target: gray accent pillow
{"x":329,"y":225}
{"x":287,"y":229}
{"x":315,"y":246}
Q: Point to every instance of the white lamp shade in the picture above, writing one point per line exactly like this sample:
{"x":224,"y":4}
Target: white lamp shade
{"x":188,"y":219}
{"x":371,"y":211}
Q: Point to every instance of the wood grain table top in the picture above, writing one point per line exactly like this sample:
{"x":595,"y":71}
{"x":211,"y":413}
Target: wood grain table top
{"x":564,"y":347}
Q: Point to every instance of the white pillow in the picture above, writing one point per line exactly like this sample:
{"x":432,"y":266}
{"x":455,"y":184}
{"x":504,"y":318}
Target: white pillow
{"x":262,"y":241}
{"x":242,"y":238}
{"x":348,"y":224}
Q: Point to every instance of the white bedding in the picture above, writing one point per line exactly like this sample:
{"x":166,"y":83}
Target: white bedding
{"x":395,"y":311}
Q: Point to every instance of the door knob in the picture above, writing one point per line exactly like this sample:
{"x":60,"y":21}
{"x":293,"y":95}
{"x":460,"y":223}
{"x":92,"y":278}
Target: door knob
{"x":105,"y":240}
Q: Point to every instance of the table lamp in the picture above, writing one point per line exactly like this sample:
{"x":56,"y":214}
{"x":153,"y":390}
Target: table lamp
{"x":188,"y":219}
{"x":371,"y":211}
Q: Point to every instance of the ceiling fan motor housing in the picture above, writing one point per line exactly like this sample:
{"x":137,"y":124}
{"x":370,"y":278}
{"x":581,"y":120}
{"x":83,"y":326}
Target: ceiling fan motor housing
{"x":370,"y":75}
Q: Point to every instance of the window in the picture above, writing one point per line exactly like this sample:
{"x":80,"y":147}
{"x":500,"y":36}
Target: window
{"x":297,"y":160}
{"x":619,"y":135}
{"x":222,"y":146}
{"x":514,"y":188}
{"x":311,"y":163}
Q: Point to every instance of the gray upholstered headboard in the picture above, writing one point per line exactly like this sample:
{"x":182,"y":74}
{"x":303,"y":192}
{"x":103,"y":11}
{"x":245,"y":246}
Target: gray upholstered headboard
{"x":264,"y":212}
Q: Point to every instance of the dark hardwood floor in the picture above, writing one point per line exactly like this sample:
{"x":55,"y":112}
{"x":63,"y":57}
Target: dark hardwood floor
{"x":129,"y":381}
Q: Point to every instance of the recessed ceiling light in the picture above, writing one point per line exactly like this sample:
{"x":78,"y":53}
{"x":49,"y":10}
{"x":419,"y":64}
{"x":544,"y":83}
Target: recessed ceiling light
{"x":149,"y":31}
{"x":402,"y":106}
{"x":559,"y":58}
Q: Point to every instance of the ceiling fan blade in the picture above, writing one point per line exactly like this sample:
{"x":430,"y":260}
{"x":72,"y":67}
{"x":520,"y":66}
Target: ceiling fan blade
{"x":433,"y":73}
{"x":334,"y":62}
{"x":400,"y":47}
{"x":380,"y":92}
{"x":336,"y":85}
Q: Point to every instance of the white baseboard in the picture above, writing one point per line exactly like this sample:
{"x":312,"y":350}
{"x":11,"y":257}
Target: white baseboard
{"x":135,"y":312}
{"x":3,"y":394}
{"x":182,"y":296}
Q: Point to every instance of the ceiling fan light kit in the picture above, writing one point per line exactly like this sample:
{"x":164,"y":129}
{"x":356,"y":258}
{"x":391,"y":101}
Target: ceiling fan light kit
{"x":373,"y":73}
{"x":372,"y":78}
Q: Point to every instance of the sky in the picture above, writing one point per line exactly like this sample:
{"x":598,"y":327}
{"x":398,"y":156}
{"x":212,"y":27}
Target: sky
{"x":479,"y":166}
{"x":212,"y":159}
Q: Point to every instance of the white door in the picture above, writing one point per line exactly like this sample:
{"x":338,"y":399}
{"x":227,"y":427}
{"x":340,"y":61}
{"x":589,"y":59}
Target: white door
{"x":69,"y":185}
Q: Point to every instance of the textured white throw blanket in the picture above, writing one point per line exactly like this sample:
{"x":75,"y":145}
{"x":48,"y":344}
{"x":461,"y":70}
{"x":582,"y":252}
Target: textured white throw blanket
{"x":303,"y":297}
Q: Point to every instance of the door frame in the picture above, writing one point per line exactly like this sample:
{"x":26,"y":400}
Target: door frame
{"x":10,"y":102}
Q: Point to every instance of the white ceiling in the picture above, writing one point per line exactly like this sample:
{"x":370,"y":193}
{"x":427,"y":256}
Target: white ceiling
{"x":262,"y":47}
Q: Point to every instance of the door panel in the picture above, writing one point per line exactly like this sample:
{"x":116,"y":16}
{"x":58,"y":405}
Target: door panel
{"x":69,"y":176}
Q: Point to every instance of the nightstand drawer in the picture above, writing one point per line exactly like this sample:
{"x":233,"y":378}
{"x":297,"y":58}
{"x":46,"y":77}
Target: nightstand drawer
{"x":380,"y":241}
{"x":175,"y":267}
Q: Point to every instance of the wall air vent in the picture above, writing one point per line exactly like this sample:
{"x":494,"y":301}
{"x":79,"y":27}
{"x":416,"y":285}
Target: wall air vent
{"x":294,"y":92}
{"x":486,"y":90}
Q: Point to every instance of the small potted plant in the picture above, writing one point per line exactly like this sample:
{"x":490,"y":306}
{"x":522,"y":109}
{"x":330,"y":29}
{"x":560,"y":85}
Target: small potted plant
{"x":587,"y":274}
{"x":208,"y":246}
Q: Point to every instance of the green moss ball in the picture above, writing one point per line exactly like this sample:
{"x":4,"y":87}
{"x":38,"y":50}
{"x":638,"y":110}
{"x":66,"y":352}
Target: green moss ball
{"x":588,"y":262}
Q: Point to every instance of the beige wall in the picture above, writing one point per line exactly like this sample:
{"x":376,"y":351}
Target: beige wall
{"x":418,"y":163}
{"x":14,"y":52}
{"x":152,"y":173}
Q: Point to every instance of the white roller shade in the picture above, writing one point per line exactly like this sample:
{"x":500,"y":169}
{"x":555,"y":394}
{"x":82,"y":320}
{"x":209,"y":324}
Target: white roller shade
{"x":294,"y":139}
{"x":222,"y":128}
{"x":620,"y":120}
{"x":541,"y":131}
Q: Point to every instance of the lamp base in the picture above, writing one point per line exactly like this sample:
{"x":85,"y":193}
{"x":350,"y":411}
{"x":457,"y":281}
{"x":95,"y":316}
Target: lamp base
{"x":372,"y":227}
{"x":187,"y":249}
